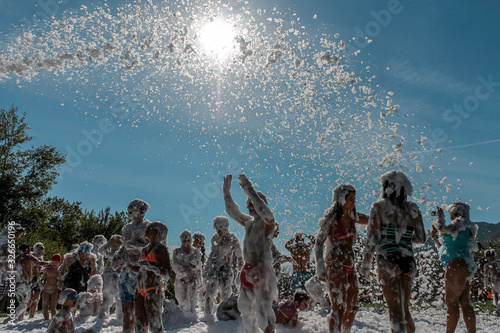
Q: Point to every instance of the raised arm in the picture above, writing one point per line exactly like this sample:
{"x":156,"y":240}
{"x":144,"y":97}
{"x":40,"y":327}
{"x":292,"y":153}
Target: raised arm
{"x":457,"y":225}
{"x":232,"y":208}
{"x":259,"y":205}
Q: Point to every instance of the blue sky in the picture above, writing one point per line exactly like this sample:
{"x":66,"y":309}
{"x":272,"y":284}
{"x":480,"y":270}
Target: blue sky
{"x":171,"y":125}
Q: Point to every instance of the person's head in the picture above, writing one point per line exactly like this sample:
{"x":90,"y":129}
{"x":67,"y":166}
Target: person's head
{"x":221,"y":225}
{"x":69,"y":298}
{"x":24,"y":248}
{"x":249,"y":203}
{"x":38,"y":249}
{"x":84,"y":251}
{"x":136,"y":210}
{"x":489,"y":254}
{"x":458,"y":209}
{"x":157,"y":232}
{"x":396,"y":186}
{"x":98,"y":241}
{"x":115,"y":242}
{"x":299,"y":236}
{"x":95,"y":284}
{"x":301,"y":300}
{"x":56,"y":260}
{"x":344,"y":196}
{"x":186,"y":240}
{"x":198,"y":239}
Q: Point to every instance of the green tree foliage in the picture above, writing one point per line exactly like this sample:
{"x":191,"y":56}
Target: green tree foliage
{"x":27,"y":174}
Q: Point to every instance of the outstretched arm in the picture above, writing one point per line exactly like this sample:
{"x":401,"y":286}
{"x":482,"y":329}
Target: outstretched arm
{"x":232,"y":208}
{"x":455,"y":226}
{"x":259,"y":205}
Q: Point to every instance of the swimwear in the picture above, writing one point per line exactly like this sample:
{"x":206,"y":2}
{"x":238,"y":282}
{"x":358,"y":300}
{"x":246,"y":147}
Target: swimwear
{"x":299,"y":280}
{"x":143,"y":292}
{"x":35,"y":286}
{"x":342,"y":233}
{"x":400,"y":253}
{"x":348,"y":269}
{"x":127,"y":285}
{"x":150,"y":257}
{"x":250,"y":276}
{"x":49,"y":292}
{"x":457,"y":248}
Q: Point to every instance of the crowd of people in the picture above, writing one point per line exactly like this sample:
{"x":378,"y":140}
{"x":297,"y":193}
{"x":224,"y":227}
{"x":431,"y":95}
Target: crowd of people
{"x":127,"y":274}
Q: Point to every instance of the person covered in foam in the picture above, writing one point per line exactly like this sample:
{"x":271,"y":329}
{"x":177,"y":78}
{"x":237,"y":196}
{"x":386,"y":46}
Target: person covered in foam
{"x":110,"y":277}
{"x":258,"y":279}
{"x":337,"y":229}
{"x":455,"y":251}
{"x":78,"y":266}
{"x":36,"y":286}
{"x":63,"y":322}
{"x":199,"y":243}
{"x":98,"y":241}
{"x":90,"y":301}
{"x":394,"y":225}
{"x":133,"y":241}
{"x":154,"y":268}
{"x":492,"y":276}
{"x":186,"y":263}
{"x":52,"y":285}
{"x":301,"y":250}
{"x":218,"y":272}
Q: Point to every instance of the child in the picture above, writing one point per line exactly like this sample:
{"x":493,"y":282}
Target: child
{"x":52,"y":285}
{"x":186,"y":263}
{"x":90,"y":302}
{"x":63,"y":321}
{"x":287,"y":313}
{"x":154,"y":266}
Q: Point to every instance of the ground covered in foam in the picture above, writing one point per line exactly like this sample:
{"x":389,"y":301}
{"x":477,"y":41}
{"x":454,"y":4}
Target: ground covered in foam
{"x":367,"y":320}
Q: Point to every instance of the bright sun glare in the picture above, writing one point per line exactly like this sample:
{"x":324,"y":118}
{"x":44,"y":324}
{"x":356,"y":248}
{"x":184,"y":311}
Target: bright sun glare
{"x":217,"y":38}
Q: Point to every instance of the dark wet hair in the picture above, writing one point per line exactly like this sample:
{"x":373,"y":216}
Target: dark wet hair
{"x":489,"y":253}
{"x":393,"y":197}
{"x":23,"y":247}
{"x":300,"y":296}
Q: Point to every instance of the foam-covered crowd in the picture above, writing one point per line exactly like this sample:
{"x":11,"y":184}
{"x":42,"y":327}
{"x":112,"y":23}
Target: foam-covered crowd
{"x":126,"y":275}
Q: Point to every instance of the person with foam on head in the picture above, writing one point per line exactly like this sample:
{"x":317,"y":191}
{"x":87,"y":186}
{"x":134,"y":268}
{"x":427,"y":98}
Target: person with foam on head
{"x":455,"y":251}
{"x":98,"y":241}
{"x":110,"y":277}
{"x":127,"y":257}
{"x":301,"y":250}
{"x":258,"y":280}
{"x":337,"y":229}
{"x":218,"y":270}
{"x":492,"y":276}
{"x":153,"y":272}
{"x":394,"y":225}
{"x":38,"y":251}
{"x":78,"y":267}
{"x":186,"y":262}
{"x":63,"y":322}
{"x":91,"y":300}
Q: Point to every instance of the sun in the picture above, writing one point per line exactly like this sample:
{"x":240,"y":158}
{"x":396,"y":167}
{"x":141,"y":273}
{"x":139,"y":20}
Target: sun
{"x":217,"y":39}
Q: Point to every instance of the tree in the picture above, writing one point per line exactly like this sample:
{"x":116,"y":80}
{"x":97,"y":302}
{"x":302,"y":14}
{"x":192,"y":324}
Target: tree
{"x":27,"y":174}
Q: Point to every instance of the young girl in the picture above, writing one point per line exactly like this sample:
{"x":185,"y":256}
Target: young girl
{"x":154,"y":267}
{"x":459,"y":239}
{"x":336,"y":267}
{"x":395,"y":223}
{"x":63,"y":321}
